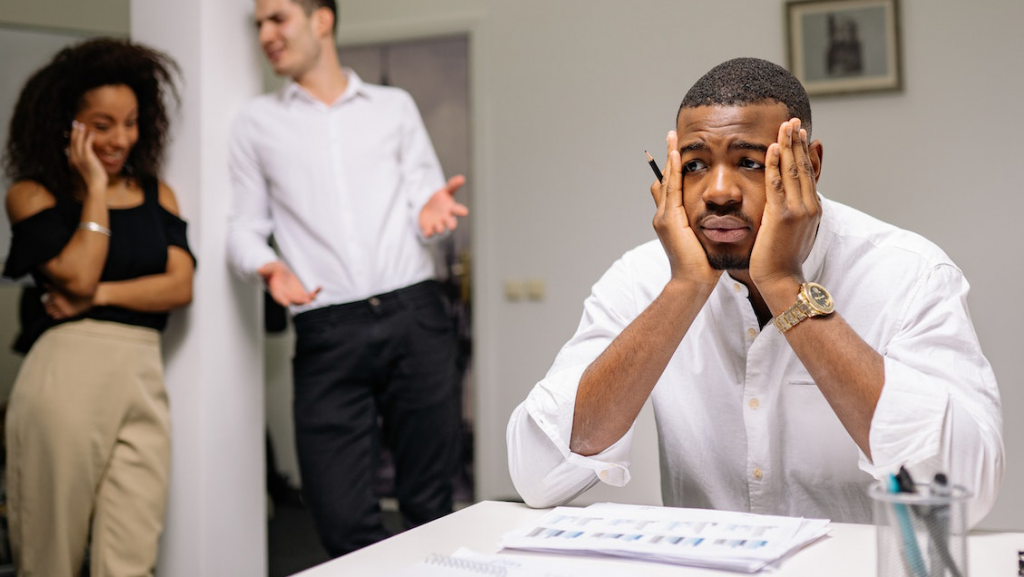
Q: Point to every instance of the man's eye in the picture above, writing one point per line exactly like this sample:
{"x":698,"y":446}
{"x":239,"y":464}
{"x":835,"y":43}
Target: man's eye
{"x":750,"y":163}
{"x":693,"y":166}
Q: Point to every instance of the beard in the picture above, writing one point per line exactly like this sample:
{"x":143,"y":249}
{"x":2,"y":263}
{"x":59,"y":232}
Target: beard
{"x":727,"y":261}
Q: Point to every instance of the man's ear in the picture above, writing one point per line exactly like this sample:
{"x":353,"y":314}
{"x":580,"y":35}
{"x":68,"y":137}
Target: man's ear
{"x":817,"y":152}
{"x":323,"y":22}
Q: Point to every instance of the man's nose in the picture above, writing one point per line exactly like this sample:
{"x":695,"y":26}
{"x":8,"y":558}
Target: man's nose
{"x":722,"y":188}
{"x":264,"y":33}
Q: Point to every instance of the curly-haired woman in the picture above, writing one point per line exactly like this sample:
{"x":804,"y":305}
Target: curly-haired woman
{"x":88,"y":426}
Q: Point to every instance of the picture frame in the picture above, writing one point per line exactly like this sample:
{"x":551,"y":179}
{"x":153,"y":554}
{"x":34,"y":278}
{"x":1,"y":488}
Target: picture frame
{"x":844,"y":46}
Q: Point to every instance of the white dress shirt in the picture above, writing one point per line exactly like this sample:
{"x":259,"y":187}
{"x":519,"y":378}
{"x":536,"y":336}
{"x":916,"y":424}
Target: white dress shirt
{"x":339,"y":186}
{"x":742,"y":425}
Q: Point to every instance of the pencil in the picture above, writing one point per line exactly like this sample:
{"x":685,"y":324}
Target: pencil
{"x":654,"y":165}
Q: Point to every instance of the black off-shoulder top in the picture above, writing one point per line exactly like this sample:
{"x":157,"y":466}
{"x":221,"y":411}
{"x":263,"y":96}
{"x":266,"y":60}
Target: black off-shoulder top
{"x":140,"y":237}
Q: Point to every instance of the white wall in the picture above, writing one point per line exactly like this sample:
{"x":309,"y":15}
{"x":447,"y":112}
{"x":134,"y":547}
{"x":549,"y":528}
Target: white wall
{"x":216,"y":522}
{"x":93,"y":16}
{"x":569,"y":93}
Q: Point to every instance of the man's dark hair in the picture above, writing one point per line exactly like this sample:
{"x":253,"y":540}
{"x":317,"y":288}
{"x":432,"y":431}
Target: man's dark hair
{"x":744,"y":81}
{"x":310,"y":6}
{"x":52,"y":97}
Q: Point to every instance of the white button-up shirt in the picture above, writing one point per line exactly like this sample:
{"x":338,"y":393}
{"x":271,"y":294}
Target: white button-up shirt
{"x":742,"y":425}
{"x":339,"y":186}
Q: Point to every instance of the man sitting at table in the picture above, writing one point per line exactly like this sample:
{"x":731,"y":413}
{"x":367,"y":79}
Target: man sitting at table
{"x":768,"y":397}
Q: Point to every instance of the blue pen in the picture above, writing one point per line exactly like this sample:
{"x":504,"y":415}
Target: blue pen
{"x":911,"y":552}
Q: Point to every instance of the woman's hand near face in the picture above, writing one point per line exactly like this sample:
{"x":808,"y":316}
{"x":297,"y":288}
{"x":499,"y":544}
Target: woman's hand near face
{"x":82,"y":158}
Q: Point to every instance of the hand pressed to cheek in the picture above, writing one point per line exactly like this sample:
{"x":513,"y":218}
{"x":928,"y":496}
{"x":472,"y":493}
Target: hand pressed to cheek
{"x":687,"y":258}
{"x":792,"y":208}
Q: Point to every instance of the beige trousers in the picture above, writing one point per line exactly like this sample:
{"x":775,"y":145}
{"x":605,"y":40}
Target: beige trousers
{"x":88,"y":449}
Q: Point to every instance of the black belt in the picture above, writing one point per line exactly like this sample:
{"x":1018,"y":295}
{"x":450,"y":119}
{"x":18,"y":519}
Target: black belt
{"x":374,"y":306}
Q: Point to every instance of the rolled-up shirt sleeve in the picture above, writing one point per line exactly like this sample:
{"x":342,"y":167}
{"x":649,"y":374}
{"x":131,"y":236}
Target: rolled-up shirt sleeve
{"x":939,"y":410}
{"x":543,"y":469}
{"x":249,"y":222}
{"x":421,"y":171}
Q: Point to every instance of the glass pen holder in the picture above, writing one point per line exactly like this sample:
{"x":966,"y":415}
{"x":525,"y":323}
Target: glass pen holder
{"x":921,"y":534}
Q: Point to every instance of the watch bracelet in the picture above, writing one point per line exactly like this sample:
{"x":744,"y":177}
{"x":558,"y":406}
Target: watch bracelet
{"x":789,"y":318}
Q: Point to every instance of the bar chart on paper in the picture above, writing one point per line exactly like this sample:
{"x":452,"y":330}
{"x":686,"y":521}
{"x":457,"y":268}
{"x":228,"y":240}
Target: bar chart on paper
{"x":695,"y":537}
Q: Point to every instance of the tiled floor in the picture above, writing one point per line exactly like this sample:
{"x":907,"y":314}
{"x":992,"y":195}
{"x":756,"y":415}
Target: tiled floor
{"x":292,"y":542}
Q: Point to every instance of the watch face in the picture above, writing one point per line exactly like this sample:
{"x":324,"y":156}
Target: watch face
{"x":820,"y":299}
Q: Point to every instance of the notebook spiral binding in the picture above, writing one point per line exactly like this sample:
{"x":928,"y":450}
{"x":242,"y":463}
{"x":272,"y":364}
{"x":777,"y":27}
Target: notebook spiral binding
{"x":466,"y":565}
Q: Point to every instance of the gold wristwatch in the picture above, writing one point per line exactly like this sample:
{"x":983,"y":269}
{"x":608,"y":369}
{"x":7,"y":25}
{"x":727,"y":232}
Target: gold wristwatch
{"x":812,"y":301}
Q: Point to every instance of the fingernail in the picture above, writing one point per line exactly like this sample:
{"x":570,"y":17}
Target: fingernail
{"x":789,"y":130}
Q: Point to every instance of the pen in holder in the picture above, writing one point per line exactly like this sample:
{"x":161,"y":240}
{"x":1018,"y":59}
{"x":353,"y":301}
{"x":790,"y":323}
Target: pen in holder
{"x":921,"y":532}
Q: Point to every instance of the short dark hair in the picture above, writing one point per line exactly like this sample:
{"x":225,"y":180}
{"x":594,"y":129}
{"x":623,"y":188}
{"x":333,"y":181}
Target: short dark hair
{"x":310,"y":6}
{"x":743,"y":81}
{"x":53,"y":96}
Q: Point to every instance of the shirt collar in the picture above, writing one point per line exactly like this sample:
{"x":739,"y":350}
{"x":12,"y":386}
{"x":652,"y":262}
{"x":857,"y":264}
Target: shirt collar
{"x":292,"y":90}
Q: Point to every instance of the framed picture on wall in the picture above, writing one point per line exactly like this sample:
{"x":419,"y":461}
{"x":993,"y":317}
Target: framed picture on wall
{"x":844,"y":46}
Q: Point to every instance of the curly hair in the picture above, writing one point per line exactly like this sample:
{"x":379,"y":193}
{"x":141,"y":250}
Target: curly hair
{"x":743,"y":81}
{"x":52,"y":96}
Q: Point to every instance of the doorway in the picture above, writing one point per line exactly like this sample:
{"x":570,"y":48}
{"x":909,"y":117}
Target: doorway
{"x":435,"y":72}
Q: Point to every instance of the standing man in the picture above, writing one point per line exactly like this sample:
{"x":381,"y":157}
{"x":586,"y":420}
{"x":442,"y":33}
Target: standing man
{"x":342,"y":174}
{"x":771,"y":395}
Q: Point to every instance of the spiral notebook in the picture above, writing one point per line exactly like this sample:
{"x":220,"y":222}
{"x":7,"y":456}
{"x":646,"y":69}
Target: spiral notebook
{"x":468,"y":563}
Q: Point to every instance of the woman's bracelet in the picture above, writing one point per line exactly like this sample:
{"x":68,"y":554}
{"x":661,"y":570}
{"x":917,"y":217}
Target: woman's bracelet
{"x":94,"y":227}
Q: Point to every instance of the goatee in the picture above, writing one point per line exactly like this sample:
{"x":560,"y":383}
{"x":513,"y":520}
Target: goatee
{"x":728,"y":261}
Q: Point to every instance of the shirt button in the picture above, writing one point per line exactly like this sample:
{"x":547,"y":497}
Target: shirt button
{"x":737,"y":287}
{"x":604,"y":475}
{"x":374,"y":301}
{"x":752,"y":333}
{"x":758,"y":473}
{"x":754,"y":404}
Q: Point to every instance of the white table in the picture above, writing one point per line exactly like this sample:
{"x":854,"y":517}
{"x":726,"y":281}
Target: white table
{"x":848,"y":552}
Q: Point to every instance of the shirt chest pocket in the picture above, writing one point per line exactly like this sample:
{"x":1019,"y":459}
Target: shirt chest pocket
{"x":811,"y":430}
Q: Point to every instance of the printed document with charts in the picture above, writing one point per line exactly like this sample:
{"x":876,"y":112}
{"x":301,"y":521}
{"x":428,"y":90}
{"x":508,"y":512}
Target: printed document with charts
{"x":696,"y":537}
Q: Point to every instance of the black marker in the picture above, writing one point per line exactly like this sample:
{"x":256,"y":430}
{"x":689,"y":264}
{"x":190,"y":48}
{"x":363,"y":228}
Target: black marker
{"x":654,"y":165}
{"x":937,"y":522}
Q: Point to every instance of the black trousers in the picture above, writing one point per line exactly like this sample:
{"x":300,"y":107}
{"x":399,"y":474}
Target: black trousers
{"x":391,"y":356}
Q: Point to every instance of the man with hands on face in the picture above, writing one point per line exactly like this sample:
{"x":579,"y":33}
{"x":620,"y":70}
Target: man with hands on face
{"x":769,"y":396}
{"x":343,"y":175}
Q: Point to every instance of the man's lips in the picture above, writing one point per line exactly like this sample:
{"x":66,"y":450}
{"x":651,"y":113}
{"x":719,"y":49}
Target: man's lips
{"x":724,"y":229}
{"x":273,"y":53}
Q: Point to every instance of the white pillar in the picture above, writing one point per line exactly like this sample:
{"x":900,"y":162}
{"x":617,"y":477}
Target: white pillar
{"x":216,"y":522}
